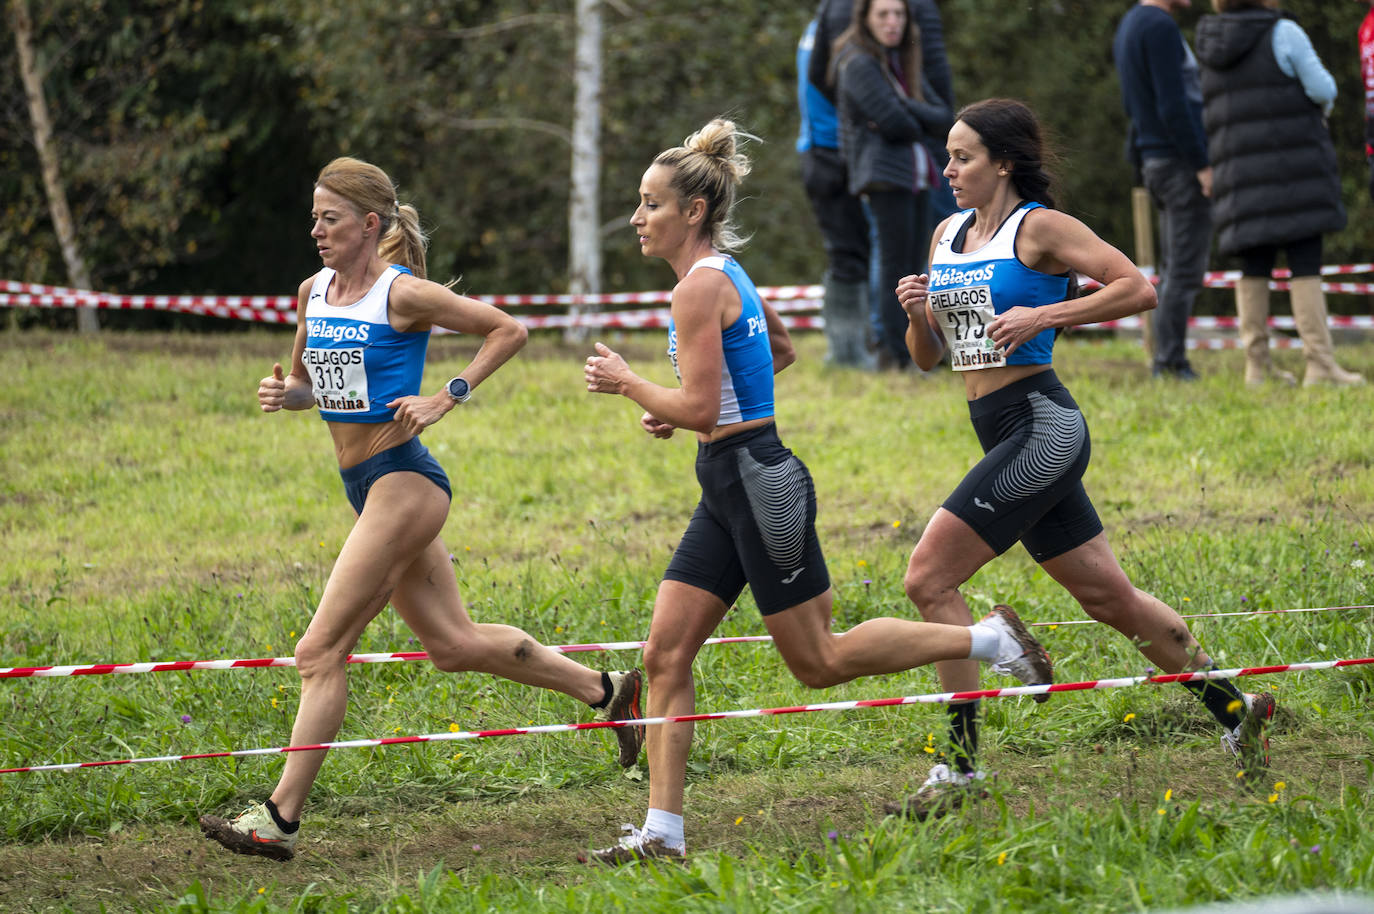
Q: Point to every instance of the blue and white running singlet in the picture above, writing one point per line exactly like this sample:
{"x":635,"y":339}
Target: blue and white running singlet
{"x":969,"y":289}
{"x":746,"y":374}
{"x":356,"y":361}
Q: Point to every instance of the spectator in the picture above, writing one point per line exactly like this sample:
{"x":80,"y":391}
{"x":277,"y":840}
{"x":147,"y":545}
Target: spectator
{"x":1160,"y":91}
{"x":1266,"y":97}
{"x":832,"y":18}
{"x":888,"y":111}
{"x":840,"y":216}
{"x":1367,"y":71}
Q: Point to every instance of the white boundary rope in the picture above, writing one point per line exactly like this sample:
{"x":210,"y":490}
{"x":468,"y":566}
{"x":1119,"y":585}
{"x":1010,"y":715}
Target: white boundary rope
{"x":932,"y":698}
{"x":178,"y":666}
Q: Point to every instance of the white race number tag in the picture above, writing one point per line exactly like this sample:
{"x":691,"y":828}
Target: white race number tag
{"x":964,"y":314}
{"x":338,"y":379}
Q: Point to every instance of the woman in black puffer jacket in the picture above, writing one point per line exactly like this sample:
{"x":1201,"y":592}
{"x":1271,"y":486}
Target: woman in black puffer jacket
{"x":1275,"y":181}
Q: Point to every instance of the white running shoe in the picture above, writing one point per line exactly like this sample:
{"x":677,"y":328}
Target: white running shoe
{"x":943,"y":792}
{"x":1019,"y":654}
{"x":252,"y":831}
{"x":635,"y":847}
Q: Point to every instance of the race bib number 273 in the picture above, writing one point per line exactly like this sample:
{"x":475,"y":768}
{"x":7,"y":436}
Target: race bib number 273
{"x":964,"y":314}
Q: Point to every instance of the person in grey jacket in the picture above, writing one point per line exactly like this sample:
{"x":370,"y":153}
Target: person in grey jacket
{"x":1265,"y":100}
{"x":832,"y":18}
{"x":843,"y":218}
{"x":887,"y":110}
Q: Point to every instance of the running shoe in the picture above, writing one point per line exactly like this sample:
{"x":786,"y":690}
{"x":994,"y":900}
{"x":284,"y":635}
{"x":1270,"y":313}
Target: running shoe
{"x":626,"y":686}
{"x":943,"y":792}
{"x":252,"y":831}
{"x":1020,"y":654}
{"x":634,"y":847}
{"x":1249,"y":740}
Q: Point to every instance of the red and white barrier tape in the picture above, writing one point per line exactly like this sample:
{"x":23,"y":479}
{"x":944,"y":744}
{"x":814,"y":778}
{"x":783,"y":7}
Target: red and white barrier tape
{"x":933,"y":698}
{"x":181,"y":666}
{"x":281,"y":309}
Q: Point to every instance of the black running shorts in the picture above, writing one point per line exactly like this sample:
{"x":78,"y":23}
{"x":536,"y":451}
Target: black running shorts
{"x":1029,"y":484}
{"x":755,"y":525}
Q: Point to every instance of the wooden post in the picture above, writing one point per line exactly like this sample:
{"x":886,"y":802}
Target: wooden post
{"x":1143,"y":218}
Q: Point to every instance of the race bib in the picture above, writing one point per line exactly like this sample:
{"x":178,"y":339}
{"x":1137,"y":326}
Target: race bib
{"x":338,"y":379}
{"x":964,"y":314}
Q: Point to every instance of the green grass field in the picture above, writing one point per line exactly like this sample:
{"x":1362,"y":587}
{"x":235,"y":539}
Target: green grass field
{"x":151,"y":512}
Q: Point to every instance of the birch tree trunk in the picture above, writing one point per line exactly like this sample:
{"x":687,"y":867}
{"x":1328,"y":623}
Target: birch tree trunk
{"x":584,"y":223}
{"x":77,"y":274}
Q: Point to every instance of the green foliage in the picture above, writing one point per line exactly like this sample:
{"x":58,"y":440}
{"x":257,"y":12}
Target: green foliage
{"x":165,"y":167}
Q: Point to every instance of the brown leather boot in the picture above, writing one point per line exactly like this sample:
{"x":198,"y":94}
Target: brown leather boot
{"x":1309,"y":313}
{"x":1252,"y":307}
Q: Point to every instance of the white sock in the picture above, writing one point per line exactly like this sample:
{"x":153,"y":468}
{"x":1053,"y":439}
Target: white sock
{"x":984,"y":642}
{"x":665,"y":826}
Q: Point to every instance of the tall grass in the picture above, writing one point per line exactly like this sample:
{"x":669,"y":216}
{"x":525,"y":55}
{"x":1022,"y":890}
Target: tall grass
{"x":151,"y":512}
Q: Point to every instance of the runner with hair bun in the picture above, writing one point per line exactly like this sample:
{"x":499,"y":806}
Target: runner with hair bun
{"x":755,"y":522}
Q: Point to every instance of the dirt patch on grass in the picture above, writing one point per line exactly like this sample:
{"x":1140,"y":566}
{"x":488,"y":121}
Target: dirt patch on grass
{"x":536,"y":838}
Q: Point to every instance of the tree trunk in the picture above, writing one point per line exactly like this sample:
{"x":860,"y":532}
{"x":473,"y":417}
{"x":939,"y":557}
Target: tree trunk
{"x":77,"y":274}
{"x":584,"y":223}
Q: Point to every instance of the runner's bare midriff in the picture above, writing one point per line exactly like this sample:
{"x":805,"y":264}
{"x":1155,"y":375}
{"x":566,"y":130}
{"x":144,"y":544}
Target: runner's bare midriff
{"x":725,"y":431}
{"x":355,"y":442}
{"x":984,"y":381}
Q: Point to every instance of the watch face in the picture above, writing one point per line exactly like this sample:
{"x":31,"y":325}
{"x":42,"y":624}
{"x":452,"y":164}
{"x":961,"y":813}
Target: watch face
{"x":458,"y":389}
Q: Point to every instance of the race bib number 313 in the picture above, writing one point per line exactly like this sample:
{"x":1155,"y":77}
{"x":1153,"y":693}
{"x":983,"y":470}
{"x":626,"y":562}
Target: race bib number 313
{"x":338,"y":378}
{"x":964,"y":314}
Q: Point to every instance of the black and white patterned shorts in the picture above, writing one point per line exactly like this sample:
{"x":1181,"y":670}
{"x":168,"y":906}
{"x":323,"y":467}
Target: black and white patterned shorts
{"x":755,"y":525}
{"x":1029,"y":484}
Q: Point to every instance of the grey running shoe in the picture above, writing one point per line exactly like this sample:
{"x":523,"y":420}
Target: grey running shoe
{"x":626,"y":686}
{"x":1020,"y":655}
{"x":943,"y":792}
{"x":634,"y":847}
{"x":252,"y":831}
{"x":1249,"y":741}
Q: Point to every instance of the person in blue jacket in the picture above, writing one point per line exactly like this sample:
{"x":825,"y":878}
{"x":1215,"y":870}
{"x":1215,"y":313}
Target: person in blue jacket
{"x":839,"y":215}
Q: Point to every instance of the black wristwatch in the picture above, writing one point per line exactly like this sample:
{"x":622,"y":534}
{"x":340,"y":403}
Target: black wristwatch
{"x":459,"y":390}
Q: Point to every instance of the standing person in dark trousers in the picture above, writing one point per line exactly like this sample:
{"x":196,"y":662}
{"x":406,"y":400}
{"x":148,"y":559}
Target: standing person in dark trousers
{"x":1366,"y":36}
{"x":363,"y":327}
{"x":840,"y":216}
{"x":1163,"y":99}
{"x":1278,"y":185}
{"x":832,"y":18}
